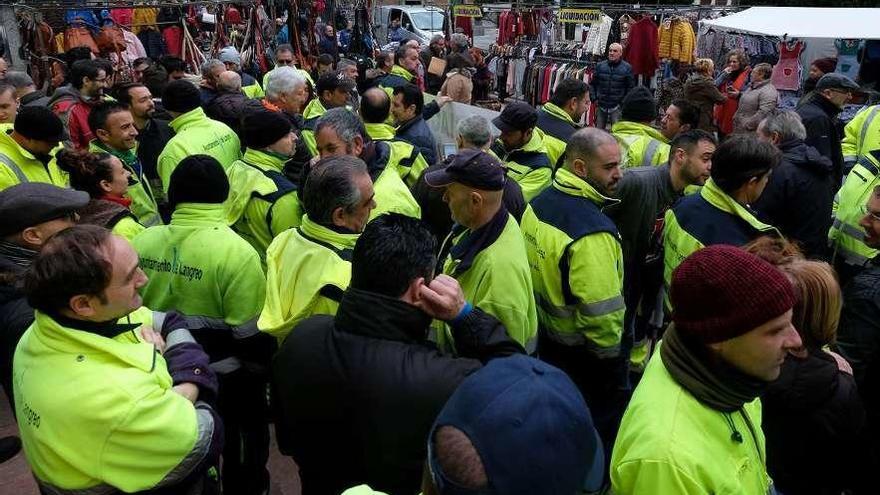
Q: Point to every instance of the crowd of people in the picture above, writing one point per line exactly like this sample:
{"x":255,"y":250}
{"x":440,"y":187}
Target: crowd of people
{"x":674,"y":300}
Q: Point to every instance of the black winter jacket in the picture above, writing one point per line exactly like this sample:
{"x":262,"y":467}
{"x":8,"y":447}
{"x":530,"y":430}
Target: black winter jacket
{"x":798,"y":197}
{"x":824,"y":130}
{"x":231,"y":108}
{"x":814,"y":424}
{"x":357,"y":393}
{"x":16,"y":316}
{"x":858,"y":335}
{"x":611,"y":83}
{"x":417,"y":133}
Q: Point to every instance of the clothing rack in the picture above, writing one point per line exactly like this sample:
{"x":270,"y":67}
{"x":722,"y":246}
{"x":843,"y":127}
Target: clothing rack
{"x":566,"y":59}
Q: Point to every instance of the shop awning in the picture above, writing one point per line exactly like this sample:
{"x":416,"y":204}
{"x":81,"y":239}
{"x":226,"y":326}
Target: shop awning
{"x":804,"y":22}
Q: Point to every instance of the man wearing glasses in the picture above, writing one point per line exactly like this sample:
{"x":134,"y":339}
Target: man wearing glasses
{"x":284,"y":57}
{"x":819,"y":116}
{"x":89,"y":79}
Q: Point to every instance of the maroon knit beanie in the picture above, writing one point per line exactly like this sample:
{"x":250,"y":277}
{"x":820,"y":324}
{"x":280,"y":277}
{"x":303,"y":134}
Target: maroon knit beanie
{"x":826,"y":65}
{"x":721,"y":292}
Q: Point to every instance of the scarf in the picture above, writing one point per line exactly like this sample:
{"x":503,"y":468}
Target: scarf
{"x":713,"y":382}
{"x":125,"y":202}
{"x":19,"y":255}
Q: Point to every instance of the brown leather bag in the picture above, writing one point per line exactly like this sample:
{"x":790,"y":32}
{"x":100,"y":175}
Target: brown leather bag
{"x":79,"y":36}
{"x":111,"y":40}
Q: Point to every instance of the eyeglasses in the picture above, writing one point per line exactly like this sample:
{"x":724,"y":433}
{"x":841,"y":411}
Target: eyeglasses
{"x":866,"y":212}
{"x":283,"y":62}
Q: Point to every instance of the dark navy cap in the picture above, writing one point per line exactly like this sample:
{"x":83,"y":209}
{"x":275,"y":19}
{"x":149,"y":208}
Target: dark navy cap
{"x":530,"y":426}
{"x":472,"y":168}
{"x":517,"y":116}
{"x":834,"y":80}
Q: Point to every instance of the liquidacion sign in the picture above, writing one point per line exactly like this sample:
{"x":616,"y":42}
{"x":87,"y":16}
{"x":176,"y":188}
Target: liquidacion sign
{"x":580,"y":16}
{"x":467,"y":11}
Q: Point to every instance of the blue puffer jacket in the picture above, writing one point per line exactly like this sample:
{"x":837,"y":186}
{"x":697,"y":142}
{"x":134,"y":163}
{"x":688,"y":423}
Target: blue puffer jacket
{"x":611,"y":83}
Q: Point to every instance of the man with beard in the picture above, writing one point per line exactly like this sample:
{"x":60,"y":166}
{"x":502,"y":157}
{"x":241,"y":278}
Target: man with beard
{"x":25,"y":148}
{"x":89,"y":78}
{"x":153,"y":134}
{"x":645,"y":193}
{"x":577,"y":272}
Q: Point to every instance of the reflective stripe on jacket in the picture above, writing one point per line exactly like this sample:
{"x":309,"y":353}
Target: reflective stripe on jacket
{"x":18,"y":165}
{"x":846,"y":238}
{"x":98,"y":412}
{"x":861,"y":135}
{"x":529,"y":166}
{"x":640,"y":145}
{"x":308,"y":268}
{"x":576,"y":263}
{"x":199,"y":266}
{"x":262,"y":201}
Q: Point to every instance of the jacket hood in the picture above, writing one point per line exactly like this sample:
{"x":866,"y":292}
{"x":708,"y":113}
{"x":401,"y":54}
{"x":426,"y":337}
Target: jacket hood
{"x":629,"y":127}
{"x":381,"y":317}
{"x":804,"y":384}
{"x":9,"y":281}
{"x":807,"y":157}
{"x":63,"y":92}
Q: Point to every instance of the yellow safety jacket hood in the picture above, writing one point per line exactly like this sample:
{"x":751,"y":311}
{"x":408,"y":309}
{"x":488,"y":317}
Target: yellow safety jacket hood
{"x":529,"y":166}
{"x":18,"y":165}
{"x":143,"y":203}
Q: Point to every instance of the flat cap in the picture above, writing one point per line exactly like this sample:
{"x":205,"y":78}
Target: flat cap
{"x":833,"y":80}
{"x":32,"y":203}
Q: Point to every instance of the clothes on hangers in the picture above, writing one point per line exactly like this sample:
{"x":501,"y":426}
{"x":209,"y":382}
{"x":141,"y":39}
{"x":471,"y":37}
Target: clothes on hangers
{"x":597,"y":37}
{"x":676,"y":40}
{"x":847,"y":58}
{"x":641,"y":49}
{"x":787,"y":73}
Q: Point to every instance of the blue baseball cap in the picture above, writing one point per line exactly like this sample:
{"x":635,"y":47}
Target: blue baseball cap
{"x":473,"y":168}
{"x":530,"y":426}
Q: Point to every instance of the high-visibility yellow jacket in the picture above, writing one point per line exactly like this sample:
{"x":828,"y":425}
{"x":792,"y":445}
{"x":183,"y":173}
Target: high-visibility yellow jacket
{"x":196,"y":134}
{"x":556,"y":128}
{"x":262,"y":200}
{"x":529,"y":166}
{"x":705,"y":219}
{"x":846,"y":238}
{"x":576,"y":262}
{"x":197,"y":265}
{"x":18,"y":165}
{"x":99,"y":411}
{"x":410,"y":162}
{"x":143,"y":203}
{"x":640,"y":145}
{"x":312,"y":112}
{"x":494,"y":276}
{"x":392,"y":194}
{"x":861,"y":135}
{"x":308,"y":269}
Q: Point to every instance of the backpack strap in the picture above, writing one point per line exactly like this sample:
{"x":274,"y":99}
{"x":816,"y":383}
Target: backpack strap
{"x":283,"y":186}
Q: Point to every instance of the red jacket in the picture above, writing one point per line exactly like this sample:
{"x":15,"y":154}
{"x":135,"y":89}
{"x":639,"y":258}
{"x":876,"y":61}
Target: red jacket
{"x":77,"y":119}
{"x":642,"y":47}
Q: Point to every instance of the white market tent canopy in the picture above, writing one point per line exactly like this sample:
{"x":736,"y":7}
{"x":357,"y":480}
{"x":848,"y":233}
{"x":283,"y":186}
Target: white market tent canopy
{"x":804,"y":22}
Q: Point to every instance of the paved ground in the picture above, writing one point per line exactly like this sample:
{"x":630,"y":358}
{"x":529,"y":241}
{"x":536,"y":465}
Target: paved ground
{"x":16,"y":479}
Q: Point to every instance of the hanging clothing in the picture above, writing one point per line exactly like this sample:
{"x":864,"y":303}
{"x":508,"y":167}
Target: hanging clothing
{"x":787,"y":73}
{"x":143,"y":17}
{"x":847,"y":58}
{"x":641,"y":50}
{"x":597,"y":36}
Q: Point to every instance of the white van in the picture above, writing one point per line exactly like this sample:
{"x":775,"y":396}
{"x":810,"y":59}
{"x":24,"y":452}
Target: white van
{"x":421,"y":22}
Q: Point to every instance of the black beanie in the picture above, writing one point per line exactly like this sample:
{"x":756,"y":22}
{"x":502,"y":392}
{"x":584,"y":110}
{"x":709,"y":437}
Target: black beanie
{"x":181,"y":96}
{"x":39,"y":123}
{"x":198,"y":179}
{"x":264,"y":128}
{"x":638,"y":105}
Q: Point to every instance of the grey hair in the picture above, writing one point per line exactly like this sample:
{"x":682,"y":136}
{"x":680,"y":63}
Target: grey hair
{"x":229,"y":81}
{"x":346,"y":124}
{"x":436,"y":38}
{"x":786,"y":123}
{"x":344,"y":62}
{"x":584,"y":143}
{"x":475,"y":130}
{"x":331,"y":185}
{"x":283,"y":80}
{"x":284,"y":47}
{"x":459,"y":40}
{"x":18,"y":79}
{"x":210,"y":64}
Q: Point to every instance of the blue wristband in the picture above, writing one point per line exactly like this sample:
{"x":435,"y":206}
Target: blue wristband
{"x":466,"y":310}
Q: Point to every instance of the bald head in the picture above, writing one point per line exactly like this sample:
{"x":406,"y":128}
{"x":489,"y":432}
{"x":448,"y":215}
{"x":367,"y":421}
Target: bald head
{"x":375,"y":106}
{"x":229,"y":82}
